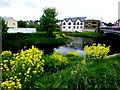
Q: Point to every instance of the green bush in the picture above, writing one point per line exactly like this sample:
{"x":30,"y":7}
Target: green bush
{"x":55,"y":62}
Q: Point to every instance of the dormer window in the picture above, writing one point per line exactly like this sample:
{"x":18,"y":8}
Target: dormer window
{"x":69,"y":23}
{"x":64,"y":23}
{"x":77,"y":23}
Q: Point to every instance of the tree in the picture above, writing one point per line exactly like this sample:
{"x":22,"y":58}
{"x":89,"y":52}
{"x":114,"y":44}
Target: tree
{"x":109,"y":24}
{"x":48,"y":21}
{"x":22,"y":24}
{"x":3,"y":26}
{"x":31,"y":25}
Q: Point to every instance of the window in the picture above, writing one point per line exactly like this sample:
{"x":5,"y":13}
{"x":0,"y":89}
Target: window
{"x":81,"y":27}
{"x":64,"y":23}
{"x":77,"y":23}
{"x":81,"y":23}
{"x":93,"y":26}
{"x":69,"y":23}
{"x":69,"y":27}
{"x":13,"y":23}
{"x":74,"y":27}
{"x":63,"y":26}
{"x":94,"y":22}
{"x":77,"y":27}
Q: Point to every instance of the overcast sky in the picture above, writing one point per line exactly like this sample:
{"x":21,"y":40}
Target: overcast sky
{"x":33,"y":9}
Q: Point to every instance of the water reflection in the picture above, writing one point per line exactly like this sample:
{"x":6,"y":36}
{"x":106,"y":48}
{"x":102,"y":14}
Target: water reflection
{"x":77,"y":45}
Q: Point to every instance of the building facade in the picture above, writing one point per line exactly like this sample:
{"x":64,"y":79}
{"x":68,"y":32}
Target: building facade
{"x":73,"y":24}
{"x":117,"y":23}
{"x":91,"y":24}
{"x":11,"y":23}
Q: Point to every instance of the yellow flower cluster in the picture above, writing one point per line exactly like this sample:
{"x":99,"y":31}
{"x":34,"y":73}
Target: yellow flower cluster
{"x":58,"y":36}
{"x":73,"y":54}
{"x":58,"y":52}
{"x":96,"y":52}
{"x":11,"y":85}
{"x":6,"y":53}
{"x":25,"y":65}
{"x":59,"y":58}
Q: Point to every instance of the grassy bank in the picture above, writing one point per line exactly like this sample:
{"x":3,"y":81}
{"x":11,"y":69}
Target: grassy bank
{"x":84,"y":34}
{"x":104,"y":74}
{"x":59,"y":71}
{"x":19,"y":40}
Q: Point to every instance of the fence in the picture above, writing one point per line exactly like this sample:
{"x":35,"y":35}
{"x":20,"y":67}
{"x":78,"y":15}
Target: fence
{"x":22,"y":30}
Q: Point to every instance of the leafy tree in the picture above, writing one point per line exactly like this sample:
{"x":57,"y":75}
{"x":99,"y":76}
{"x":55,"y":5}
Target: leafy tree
{"x":22,"y":24}
{"x":48,"y":21}
{"x":109,"y":24}
{"x":3,"y":26}
{"x":31,"y":25}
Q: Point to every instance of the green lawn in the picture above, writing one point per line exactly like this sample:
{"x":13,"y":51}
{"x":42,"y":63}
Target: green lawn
{"x":84,"y":34}
{"x":19,"y":40}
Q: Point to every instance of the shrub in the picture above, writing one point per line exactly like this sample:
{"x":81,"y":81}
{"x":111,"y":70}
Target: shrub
{"x":96,"y":53}
{"x":6,"y":53}
{"x":24,"y":67}
{"x":58,"y":36}
{"x":73,"y":54}
{"x":58,"y":52}
{"x":54,"y":62}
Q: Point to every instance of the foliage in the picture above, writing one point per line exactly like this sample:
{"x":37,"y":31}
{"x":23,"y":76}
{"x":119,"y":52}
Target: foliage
{"x":30,"y":25}
{"x":19,"y":40}
{"x":6,"y":53}
{"x":48,"y":21}
{"x":22,"y":24}
{"x":54,"y":62}
{"x":3,"y":26}
{"x":109,"y":24}
{"x":73,"y":54}
{"x":31,"y":69}
{"x":58,"y":52}
{"x":84,"y":34}
{"x":96,"y":53}
{"x":104,"y":74}
{"x":60,"y":35}
{"x":22,"y":69}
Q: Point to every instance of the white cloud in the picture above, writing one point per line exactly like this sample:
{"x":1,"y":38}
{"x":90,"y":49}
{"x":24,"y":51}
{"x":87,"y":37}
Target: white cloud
{"x":33,"y":9}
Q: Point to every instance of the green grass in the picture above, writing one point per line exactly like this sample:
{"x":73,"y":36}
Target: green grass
{"x":84,"y":34}
{"x":97,"y":75}
{"x":104,"y":74}
{"x":19,"y":40}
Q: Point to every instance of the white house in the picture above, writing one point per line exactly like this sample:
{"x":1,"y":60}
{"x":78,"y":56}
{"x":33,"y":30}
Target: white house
{"x":73,"y":24}
{"x":11,"y":23}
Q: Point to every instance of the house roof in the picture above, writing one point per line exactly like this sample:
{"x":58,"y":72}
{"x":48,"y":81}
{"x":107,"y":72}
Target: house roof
{"x":73,"y":19}
{"x":7,"y":18}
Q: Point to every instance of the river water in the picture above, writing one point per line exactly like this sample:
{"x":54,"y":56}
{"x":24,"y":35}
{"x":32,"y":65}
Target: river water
{"x":78,"y":44}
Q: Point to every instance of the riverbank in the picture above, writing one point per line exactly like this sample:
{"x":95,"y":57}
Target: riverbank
{"x":35,"y":70}
{"x":84,"y":34}
{"x":17,"y":41}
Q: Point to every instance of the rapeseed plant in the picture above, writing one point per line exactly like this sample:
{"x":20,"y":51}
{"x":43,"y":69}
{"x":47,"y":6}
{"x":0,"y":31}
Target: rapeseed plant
{"x":23,"y":67}
{"x":96,"y":52}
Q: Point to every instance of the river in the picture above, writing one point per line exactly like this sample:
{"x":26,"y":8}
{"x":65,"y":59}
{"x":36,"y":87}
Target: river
{"x":78,"y":44}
